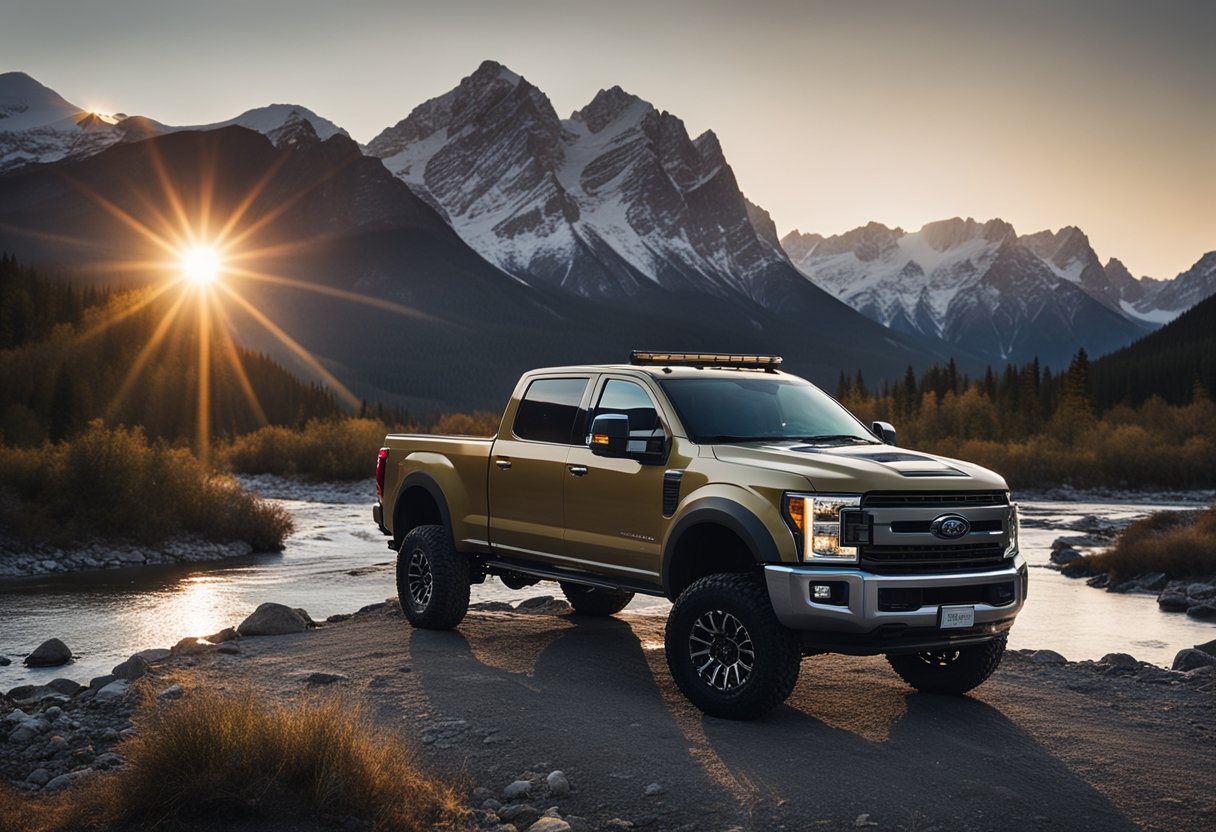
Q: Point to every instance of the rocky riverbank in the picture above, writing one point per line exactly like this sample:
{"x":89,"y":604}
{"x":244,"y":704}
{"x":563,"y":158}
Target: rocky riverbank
{"x":62,"y":731}
{"x":18,"y":560}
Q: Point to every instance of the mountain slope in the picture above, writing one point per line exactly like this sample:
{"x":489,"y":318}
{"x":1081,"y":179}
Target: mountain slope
{"x":976,"y":285}
{"x":38,"y":125}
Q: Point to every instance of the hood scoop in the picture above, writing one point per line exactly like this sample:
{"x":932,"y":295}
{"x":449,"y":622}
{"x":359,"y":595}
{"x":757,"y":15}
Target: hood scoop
{"x":907,"y":464}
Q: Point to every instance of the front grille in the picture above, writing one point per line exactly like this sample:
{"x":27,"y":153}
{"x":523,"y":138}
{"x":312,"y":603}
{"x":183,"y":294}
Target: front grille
{"x":900,"y":599}
{"x":937,"y":499}
{"x":966,"y":557}
{"x":923,"y":526}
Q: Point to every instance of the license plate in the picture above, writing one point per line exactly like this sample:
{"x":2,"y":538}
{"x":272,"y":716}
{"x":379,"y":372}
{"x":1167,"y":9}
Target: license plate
{"x":954,"y":618}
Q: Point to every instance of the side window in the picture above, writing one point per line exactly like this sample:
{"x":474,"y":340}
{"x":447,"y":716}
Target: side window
{"x":626,"y":397}
{"x":548,"y":410}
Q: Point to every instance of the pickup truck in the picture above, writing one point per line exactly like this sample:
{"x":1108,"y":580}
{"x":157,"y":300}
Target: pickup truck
{"x":777,"y":523}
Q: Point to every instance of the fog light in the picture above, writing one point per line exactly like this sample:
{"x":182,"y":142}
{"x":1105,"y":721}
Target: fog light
{"x":821,"y":592}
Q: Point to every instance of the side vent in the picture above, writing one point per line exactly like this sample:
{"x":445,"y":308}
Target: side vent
{"x":671,"y":491}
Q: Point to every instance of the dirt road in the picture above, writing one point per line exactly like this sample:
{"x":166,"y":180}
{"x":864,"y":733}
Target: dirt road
{"x":511,"y":693}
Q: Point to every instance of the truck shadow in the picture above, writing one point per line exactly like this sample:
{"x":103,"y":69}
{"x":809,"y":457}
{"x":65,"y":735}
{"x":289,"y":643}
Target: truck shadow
{"x":593,"y":697}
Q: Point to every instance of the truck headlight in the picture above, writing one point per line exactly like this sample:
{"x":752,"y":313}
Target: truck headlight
{"x":1014,"y":528}
{"x":816,"y":519}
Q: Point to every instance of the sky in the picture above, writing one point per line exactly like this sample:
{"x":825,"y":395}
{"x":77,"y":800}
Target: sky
{"x":1045,"y":113}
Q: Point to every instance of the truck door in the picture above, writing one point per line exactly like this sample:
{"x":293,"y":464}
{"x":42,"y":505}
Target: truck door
{"x":614,"y":507}
{"x":528,"y":470}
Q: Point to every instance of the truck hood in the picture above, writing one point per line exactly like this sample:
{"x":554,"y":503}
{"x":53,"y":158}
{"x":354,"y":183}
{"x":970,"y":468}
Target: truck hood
{"x":862,"y":468}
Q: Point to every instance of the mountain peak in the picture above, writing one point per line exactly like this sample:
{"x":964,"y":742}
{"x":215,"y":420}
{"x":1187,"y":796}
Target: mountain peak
{"x":610,"y":105}
{"x":20,"y":93}
{"x":493,"y":70}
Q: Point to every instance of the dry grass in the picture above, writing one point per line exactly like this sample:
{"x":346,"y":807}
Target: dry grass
{"x":210,"y":759}
{"x":1180,"y":544}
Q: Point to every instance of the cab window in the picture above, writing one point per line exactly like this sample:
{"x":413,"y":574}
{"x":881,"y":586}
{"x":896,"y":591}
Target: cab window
{"x":549,"y":410}
{"x":625,"y":397}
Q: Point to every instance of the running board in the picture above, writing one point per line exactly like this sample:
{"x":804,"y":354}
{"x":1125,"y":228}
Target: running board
{"x":556,"y":573}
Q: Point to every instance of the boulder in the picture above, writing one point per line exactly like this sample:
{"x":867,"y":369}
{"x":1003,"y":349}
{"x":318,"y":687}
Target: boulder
{"x":537,"y":601}
{"x":99,"y":682}
{"x":517,"y":789}
{"x":1201,"y":592}
{"x":51,"y":653}
{"x":154,"y":654}
{"x":172,"y":692}
{"x":1190,"y":659}
{"x":559,"y":786}
{"x":67,"y":687}
{"x":228,"y":649}
{"x":39,"y":777}
{"x":521,"y":815}
{"x":1121,"y":660}
{"x":1208,"y":647}
{"x":1047,"y":657}
{"x":1066,"y":555}
{"x":115,"y":690}
{"x":1153,"y":582}
{"x":65,"y":780}
{"x":1205,"y":611}
{"x":1170,"y":601}
{"x":131,"y":669}
{"x":272,"y":619}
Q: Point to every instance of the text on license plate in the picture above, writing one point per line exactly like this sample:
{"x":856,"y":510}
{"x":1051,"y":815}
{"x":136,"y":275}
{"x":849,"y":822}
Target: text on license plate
{"x":957,"y":617}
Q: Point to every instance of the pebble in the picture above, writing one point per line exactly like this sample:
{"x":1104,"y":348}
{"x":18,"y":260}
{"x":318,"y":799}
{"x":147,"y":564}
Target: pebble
{"x":547,"y":824}
{"x":559,"y":786}
{"x":517,"y":789}
{"x":522,"y":815}
{"x":39,"y":777}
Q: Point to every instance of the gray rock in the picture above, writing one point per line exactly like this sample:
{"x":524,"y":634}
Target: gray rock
{"x":559,"y":786}
{"x":538,"y":601}
{"x":1153,"y":582}
{"x":1047,"y":657}
{"x":1171,"y":601}
{"x":99,"y":682}
{"x":65,"y":780}
{"x":1201,"y":592}
{"x":131,"y":669}
{"x":491,"y":805}
{"x":51,"y":653}
{"x":578,"y":824}
{"x":228,"y":650}
{"x":1204,"y":612}
{"x":272,"y":619}
{"x":53,"y":713}
{"x":115,"y":690}
{"x":517,"y":789}
{"x":107,"y":761}
{"x":653,"y":789}
{"x":321,"y":677}
{"x":521,"y":814}
{"x":1098,"y":581}
{"x":1190,"y":659}
{"x":1157,"y":676}
{"x":154,"y":654}
{"x":547,"y":824}
{"x":170,"y":693}
{"x":39,"y":777}
{"x":1063,"y":556}
{"x":22,"y":735}
{"x":1122,"y":660}
{"x":1208,"y":647}
{"x":67,"y":687}
{"x":5,"y":661}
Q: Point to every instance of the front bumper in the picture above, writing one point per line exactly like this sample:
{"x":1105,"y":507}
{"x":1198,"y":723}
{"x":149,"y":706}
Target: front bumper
{"x":862,"y":626}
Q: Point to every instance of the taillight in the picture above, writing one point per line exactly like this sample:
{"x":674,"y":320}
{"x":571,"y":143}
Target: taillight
{"x":381,"y":464}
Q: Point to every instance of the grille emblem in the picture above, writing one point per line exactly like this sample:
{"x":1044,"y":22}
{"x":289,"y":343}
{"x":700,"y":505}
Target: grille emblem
{"x":949,"y":527}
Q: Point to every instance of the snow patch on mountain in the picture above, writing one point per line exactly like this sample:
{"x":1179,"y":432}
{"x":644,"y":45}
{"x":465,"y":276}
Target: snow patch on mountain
{"x":37,"y":125}
{"x":277,"y":121}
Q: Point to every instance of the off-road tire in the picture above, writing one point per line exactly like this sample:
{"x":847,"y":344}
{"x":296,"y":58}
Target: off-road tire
{"x":590,"y":600}
{"x":712,"y":603}
{"x":949,"y":671}
{"x":432,"y":579}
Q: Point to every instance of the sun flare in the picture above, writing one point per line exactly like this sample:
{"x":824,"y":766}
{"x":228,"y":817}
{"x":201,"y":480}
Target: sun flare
{"x":201,"y":265}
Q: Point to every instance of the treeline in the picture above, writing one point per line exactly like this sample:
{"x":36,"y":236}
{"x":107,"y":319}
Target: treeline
{"x":72,"y":355}
{"x":1038,"y":428}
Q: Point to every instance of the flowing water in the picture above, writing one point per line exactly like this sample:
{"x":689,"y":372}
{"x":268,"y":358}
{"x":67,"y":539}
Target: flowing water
{"x":336,"y":561}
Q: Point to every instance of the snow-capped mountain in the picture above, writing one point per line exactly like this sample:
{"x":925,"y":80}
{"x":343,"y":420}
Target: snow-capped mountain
{"x":977,"y":285}
{"x":1165,"y":300}
{"x":281,"y":123}
{"x":612,"y":200}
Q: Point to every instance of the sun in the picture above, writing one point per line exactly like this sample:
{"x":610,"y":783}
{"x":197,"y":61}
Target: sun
{"x":201,"y":265}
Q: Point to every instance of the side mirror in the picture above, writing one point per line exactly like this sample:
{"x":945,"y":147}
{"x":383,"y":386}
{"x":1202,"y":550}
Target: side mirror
{"x":609,"y":434}
{"x":884,"y":431}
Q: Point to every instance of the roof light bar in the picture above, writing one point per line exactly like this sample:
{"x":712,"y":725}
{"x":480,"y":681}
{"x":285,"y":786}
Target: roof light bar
{"x":704,"y":359}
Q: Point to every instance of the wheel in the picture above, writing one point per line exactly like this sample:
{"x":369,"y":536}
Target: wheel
{"x":726,"y":649}
{"x":432,"y":579}
{"x":588,"y":600}
{"x":949,"y":671}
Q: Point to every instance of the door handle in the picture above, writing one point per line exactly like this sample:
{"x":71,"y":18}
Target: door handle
{"x":578,"y":470}
{"x":504,"y":464}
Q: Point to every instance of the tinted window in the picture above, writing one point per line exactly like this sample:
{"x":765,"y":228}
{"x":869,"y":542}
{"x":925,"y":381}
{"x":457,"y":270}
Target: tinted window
{"x":549,"y":408}
{"x":625,"y":397}
{"x":726,"y":409}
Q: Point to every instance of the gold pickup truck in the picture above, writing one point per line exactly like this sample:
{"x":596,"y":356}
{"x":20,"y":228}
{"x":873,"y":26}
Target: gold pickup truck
{"x":776,"y":522}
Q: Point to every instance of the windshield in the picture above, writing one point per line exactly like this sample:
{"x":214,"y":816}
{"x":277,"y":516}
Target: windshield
{"x":751,"y":409}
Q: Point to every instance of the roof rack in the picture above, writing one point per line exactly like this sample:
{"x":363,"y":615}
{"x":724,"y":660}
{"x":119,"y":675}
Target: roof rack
{"x":705,"y":359}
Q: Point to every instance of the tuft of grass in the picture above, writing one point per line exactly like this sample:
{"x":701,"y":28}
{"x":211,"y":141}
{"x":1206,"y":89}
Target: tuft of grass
{"x":212,"y":758}
{"x":1180,"y":544}
{"x":114,"y":483}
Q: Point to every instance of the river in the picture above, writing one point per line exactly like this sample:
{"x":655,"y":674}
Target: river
{"x":336,"y":561}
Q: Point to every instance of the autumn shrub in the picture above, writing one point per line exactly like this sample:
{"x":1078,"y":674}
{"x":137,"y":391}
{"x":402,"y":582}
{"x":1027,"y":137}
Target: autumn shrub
{"x":214,"y":758}
{"x":112,"y":483}
{"x":1180,"y":544}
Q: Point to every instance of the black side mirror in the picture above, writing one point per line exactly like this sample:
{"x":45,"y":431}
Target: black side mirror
{"x":609,"y":434}
{"x":884,"y":431}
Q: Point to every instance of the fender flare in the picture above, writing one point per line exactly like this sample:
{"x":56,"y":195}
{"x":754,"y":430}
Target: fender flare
{"x":723,"y":512}
{"x":423,"y":480}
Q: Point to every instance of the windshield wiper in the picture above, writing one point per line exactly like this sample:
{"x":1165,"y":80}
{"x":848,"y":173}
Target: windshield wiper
{"x":839,"y":437}
{"x":728,"y":437}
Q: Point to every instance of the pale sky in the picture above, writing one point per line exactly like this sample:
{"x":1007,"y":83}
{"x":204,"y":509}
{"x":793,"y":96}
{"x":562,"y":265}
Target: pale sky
{"x":1096,"y":113}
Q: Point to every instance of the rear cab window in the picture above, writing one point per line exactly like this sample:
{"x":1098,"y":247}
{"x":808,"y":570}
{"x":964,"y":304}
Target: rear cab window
{"x":551,"y":411}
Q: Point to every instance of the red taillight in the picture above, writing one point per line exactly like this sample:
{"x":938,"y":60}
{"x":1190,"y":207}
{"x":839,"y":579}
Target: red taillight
{"x":381,"y":464}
